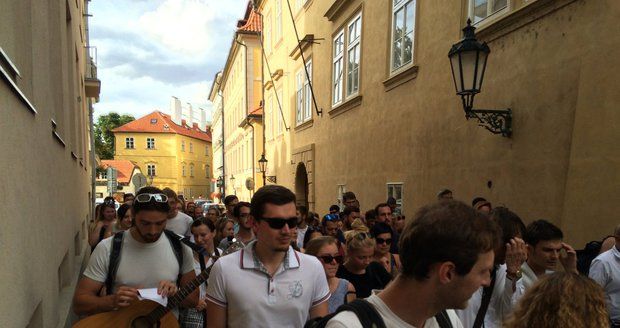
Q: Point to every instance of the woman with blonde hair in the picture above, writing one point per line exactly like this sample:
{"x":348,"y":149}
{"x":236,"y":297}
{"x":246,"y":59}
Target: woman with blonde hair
{"x":224,"y":228}
{"x":359,"y":268}
{"x":561,"y":299}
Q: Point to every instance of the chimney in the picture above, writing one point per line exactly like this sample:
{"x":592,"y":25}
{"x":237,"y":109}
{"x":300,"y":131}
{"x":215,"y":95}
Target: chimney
{"x":175,"y":110}
{"x":203,"y":120}
{"x":190,"y":119}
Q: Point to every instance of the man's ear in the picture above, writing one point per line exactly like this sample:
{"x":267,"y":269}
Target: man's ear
{"x":530,"y":250}
{"x":446,"y":272}
{"x":254,"y":223}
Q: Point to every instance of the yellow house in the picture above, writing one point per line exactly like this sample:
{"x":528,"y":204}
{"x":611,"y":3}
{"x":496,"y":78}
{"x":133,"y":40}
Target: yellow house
{"x":241,"y":91}
{"x":169,"y":151}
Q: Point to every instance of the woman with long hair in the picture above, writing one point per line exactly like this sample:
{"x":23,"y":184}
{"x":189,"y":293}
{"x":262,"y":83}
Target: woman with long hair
{"x":123,"y":221}
{"x":224,"y":228}
{"x":561,"y":299}
{"x":103,"y":227}
{"x":384,"y":238}
{"x":325,"y":249}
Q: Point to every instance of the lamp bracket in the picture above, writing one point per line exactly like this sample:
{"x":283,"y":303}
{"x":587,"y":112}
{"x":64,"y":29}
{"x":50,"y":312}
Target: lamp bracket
{"x":497,"y":121}
{"x":272,"y":178}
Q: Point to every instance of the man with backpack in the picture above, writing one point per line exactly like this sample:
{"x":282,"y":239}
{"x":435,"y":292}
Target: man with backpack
{"x":145,"y":256}
{"x":447,"y":255}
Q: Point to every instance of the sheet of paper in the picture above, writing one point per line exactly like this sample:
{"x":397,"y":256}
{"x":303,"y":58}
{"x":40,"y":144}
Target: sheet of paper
{"x":151,"y":294}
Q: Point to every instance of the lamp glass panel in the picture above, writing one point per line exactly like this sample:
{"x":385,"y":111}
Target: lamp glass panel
{"x":468,"y":65}
{"x":482,"y":62}
{"x":454,"y":63}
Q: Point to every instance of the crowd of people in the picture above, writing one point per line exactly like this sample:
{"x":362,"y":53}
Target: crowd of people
{"x":273,"y":263}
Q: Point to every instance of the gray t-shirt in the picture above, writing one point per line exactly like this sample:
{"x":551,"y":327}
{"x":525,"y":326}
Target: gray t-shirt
{"x":141,"y":265}
{"x":180,"y":224}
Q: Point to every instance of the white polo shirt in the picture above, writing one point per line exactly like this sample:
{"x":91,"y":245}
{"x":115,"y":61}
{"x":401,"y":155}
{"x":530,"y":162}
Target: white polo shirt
{"x":605,"y":270}
{"x":253,"y":298}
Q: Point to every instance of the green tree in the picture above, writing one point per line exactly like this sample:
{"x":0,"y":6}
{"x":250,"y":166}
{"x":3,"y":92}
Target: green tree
{"x":104,"y":138}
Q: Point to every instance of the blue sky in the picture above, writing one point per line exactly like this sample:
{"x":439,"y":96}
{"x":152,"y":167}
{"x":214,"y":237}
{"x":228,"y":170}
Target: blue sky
{"x":150,"y":50}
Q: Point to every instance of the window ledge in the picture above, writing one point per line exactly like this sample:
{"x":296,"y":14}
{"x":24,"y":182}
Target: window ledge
{"x":74,"y":156}
{"x":346,"y":106}
{"x":336,"y":9}
{"x":518,"y":18}
{"x":305,"y":125}
{"x":401,"y":78}
{"x":7,"y":77}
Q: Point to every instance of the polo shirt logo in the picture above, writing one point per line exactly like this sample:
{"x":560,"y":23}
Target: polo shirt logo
{"x":295,"y":289}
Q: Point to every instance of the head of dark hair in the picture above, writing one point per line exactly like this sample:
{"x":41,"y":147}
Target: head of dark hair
{"x":308,"y":235}
{"x":334,"y":208}
{"x":170,"y":193}
{"x":379,"y":228}
{"x":348,"y":196}
{"x":510,"y":223}
{"x":370,"y":215}
{"x":203,"y":221}
{"x":476,"y":200}
{"x":462,"y":233}
{"x":380,"y":206}
{"x":541,"y":230}
{"x":127,"y":195}
{"x":350,"y":209}
{"x":151,"y":205}
{"x":102,"y":209}
{"x":229,"y":199}
{"x":270,"y":194}
{"x":122,"y":210}
{"x":443,"y":192}
{"x":237,"y":208}
{"x":391,"y":201}
{"x":303,"y":210}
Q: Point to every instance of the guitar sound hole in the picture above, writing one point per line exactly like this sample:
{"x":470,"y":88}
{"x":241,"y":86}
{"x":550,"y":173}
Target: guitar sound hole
{"x":143,"y":322}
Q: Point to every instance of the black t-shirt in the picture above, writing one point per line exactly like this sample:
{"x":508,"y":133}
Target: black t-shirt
{"x":376,"y":277}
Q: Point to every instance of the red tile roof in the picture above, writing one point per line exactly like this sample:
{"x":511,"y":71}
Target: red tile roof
{"x":250,"y":24}
{"x":159,"y":122}
{"x":124,"y":169}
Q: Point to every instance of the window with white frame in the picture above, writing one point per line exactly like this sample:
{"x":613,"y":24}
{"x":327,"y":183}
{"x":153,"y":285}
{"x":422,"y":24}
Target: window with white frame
{"x":267,"y":34}
{"x":403,"y":25}
{"x":396,"y":190}
{"x":341,"y":190}
{"x":346,"y":45}
{"x":191,"y":170}
{"x":277,"y":34}
{"x":183,"y":169}
{"x":150,"y":143}
{"x":182,"y":145}
{"x":206,"y":150}
{"x":191,"y":147}
{"x":150,"y":170}
{"x":481,"y":9}
{"x":280,"y":125}
{"x":303,"y":94}
{"x":129,"y":143}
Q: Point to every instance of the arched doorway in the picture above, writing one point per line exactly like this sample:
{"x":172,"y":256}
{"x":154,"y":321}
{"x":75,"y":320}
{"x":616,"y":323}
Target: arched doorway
{"x":301,"y":185}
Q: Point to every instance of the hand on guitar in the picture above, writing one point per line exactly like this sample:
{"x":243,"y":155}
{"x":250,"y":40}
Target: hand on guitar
{"x":124,"y":296}
{"x":166,"y":288}
{"x":202,"y":304}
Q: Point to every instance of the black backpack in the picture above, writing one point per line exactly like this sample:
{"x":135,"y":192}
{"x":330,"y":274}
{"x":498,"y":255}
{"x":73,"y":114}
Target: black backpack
{"x":368,"y":316}
{"x":117,"y":245}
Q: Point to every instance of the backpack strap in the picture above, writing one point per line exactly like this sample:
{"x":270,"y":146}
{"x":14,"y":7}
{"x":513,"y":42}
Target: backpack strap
{"x":487,"y":292}
{"x":365,"y":312}
{"x":177,"y":249}
{"x":443,"y":319}
{"x":117,"y":245}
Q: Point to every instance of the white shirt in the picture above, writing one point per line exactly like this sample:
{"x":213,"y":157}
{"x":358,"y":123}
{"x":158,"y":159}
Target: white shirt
{"x":499,"y":307}
{"x":605,"y":270}
{"x":301,"y":233}
{"x":240,"y":283}
{"x":348,"y":319}
{"x":528,"y":280}
{"x":180,"y":224}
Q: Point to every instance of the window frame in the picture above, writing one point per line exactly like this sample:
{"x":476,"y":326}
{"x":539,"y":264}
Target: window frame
{"x":130,"y":141}
{"x":150,"y":143}
{"x":191,"y":147}
{"x":490,"y":15}
{"x":303,"y":95}
{"x":183,"y":145}
{"x":191,"y":170}
{"x":396,"y":8}
{"x":401,"y":186}
{"x":277,"y":31}
{"x":342,"y":90}
{"x":151,"y":170}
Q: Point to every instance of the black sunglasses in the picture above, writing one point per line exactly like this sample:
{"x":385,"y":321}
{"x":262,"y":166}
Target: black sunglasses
{"x":381,"y":241}
{"x":329,"y":259}
{"x":278,"y":223}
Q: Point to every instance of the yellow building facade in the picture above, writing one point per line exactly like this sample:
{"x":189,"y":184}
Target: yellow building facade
{"x":171,"y":155}
{"x":241,"y":90}
{"x":392,"y":125}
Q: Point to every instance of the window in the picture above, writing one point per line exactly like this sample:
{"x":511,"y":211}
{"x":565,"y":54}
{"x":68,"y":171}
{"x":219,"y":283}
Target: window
{"x":347,"y":44}
{"x":182,"y":145}
{"x":481,"y":9}
{"x":150,"y":170}
{"x":150,"y":143}
{"x":183,"y":169}
{"x":303,"y":95}
{"x":129,"y":144}
{"x":403,"y":24}
{"x":206,"y":150}
{"x":300,"y":4}
{"x":267,"y":34}
{"x":277,"y":35}
{"x":396,"y":190}
{"x":153,"y":121}
{"x":191,"y":147}
{"x":191,"y":170}
{"x":341,"y":190}
{"x":280,"y":126}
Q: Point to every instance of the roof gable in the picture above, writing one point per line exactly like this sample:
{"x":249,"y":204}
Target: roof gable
{"x":159,"y":122}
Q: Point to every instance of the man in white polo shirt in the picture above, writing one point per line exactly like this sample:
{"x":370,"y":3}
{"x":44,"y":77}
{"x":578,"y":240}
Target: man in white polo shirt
{"x":267,"y":284}
{"x":605,"y":270}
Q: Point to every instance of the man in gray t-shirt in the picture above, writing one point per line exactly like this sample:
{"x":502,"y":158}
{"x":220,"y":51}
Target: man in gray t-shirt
{"x":147,"y":260}
{"x":178,"y":222}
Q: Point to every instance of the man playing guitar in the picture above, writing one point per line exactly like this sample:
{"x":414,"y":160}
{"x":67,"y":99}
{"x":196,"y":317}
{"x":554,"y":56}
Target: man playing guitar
{"x":147,"y":259}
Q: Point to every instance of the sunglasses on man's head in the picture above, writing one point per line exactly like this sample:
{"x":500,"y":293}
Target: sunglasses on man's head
{"x":278,"y":223}
{"x":361,"y":235}
{"x":145,"y":198}
{"x":381,"y":241}
{"x":329,"y":259}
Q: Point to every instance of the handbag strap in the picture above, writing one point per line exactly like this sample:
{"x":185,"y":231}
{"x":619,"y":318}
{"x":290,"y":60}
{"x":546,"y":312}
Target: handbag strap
{"x":487,"y":292}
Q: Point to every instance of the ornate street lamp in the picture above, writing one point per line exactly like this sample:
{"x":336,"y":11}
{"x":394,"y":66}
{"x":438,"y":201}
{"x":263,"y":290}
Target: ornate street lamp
{"x":262,"y":165}
{"x":468,"y":60}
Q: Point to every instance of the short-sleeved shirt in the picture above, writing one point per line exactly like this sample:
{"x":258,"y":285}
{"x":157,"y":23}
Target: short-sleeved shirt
{"x":348,"y":319}
{"x":605,"y":270}
{"x":140,"y":264}
{"x":375,"y":277}
{"x":180,"y":224}
{"x":253,"y":298}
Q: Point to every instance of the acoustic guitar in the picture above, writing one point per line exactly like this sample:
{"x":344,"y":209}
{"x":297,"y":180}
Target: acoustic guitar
{"x":145,"y":313}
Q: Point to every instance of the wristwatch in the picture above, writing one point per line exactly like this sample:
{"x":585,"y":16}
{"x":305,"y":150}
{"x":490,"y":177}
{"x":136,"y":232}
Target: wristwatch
{"x":514,"y":276}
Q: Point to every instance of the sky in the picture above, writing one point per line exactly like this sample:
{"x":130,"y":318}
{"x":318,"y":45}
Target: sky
{"x":151,"y":50}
